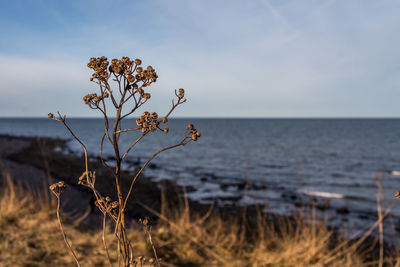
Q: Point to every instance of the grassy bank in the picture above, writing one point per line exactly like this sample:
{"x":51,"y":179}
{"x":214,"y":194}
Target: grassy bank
{"x":30,"y":236}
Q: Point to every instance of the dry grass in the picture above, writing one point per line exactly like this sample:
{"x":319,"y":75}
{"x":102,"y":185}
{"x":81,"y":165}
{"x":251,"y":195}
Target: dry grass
{"x":192,"y":240}
{"x":29,"y":236}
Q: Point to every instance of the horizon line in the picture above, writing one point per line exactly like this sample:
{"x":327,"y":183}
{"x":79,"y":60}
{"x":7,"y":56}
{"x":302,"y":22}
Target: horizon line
{"x":195,"y":117}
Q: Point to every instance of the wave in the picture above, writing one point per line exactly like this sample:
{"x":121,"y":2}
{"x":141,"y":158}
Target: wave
{"x":322,"y":194}
{"x":395,"y":173}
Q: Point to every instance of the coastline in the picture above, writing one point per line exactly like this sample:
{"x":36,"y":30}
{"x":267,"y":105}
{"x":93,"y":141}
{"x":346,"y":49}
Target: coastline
{"x":38,"y":162}
{"x":35,"y":162}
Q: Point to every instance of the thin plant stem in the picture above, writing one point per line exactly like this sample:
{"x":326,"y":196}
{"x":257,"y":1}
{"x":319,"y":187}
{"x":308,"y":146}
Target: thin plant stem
{"x":133,"y":144}
{"x":63,"y":232}
{"x":128,"y":130}
{"x":152,"y":245}
{"x":104,"y":238}
{"x":145,"y":164}
{"x":379,"y":198}
{"x":62,"y":120}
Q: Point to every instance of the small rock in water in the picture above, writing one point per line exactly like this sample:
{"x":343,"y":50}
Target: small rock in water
{"x":343,"y":210}
{"x":241,"y":186}
{"x":152,"y":166}
{"x":223,"y":186}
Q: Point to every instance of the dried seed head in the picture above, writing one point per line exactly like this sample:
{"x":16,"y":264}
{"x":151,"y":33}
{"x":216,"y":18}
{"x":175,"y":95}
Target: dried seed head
{"x":165,"y":130}
{"x":138,"y":61}
{"x":397,"y":195}
{"x":89,"y":97}
{"x":190,"y":126}
{"x":198,"y":134}
{"x":82,"y":178}
{"x":194,"y":137}
{"x":164,"y":120}
{"x":144,"y":130}
{"x":114,"y":204}
{"x":154,"y":115}
{"x":181,"y":93}
{"x":139,"y":69}
{"x":58,"y":188}
{"x":125,"y":60}
{"x":50,"y":115}
{"x":146,"y":95}
{"x":131,"y":78}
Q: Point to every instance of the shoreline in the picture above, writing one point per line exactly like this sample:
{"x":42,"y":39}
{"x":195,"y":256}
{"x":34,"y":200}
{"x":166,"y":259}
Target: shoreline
{"x":43,"y":159}
{"x":35,"y":161}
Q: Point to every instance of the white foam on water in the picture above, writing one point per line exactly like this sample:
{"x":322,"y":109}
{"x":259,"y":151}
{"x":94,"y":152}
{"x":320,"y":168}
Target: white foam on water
{"x":395,"y":173}
{"x":322,"y":194}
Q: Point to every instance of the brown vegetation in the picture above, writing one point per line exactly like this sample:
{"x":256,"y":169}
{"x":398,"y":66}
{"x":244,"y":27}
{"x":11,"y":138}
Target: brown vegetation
{"x":30,"y":237}
{"x":131,"y":80}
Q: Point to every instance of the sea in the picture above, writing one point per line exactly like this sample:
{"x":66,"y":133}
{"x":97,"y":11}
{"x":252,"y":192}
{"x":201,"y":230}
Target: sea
{"x":282,"y":165}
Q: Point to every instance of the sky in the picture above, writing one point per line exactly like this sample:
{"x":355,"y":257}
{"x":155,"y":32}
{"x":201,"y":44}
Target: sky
{"x":255,"y":58}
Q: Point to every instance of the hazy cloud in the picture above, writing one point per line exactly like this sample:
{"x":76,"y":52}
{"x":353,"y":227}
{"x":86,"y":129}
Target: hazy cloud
{"x":236,"y":59}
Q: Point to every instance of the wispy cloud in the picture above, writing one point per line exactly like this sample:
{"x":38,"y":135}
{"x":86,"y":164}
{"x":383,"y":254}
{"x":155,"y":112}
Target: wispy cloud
{"x":254,"y":58}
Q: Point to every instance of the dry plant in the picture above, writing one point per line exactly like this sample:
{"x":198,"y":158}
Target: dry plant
{"x":131,"y":81}
{"x":184,"y":237}
{"x":190,"y":238}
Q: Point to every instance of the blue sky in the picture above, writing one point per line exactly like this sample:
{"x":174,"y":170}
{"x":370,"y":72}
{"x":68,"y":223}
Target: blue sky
{"x":234,"y":58}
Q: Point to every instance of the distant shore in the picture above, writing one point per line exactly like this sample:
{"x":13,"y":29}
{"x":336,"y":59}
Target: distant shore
{"x":36,"y":162}
{"x":39,"y":161}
